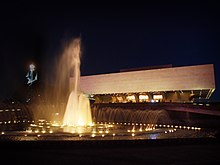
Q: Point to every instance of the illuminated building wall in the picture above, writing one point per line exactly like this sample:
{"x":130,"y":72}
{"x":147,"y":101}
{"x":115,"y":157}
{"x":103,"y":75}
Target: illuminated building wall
{"x":172,"y":84}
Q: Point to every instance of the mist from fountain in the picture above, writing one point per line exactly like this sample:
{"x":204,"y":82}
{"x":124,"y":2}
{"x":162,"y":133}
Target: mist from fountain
{"x":78,"y":112}
{"x":121,"y":115}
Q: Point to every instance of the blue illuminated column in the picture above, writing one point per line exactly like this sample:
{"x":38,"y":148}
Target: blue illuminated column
{"x":31,"y":77}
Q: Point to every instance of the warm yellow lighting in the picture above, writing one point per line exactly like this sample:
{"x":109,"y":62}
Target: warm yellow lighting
{"x":43,"y":131}
{"x":38,"y":135}
{"x":55,"y":124}
{"x":120,"y":99}
{"x":36,"y":131}
{"x":93,"y":135}
{"x":50,"y":131}
{"x":25,"y":135}
{"x":131,"y":98}
{"x":3,"y":133}
{"x":113,"y":134}
{"x":103,"y":135}
{"x":92,"y":124}
{"x":106,"y":131}
{"x":143,"y":98}
{"x":132,"y":134}
{"x":29,"y":130}
{"x":157,"y":97}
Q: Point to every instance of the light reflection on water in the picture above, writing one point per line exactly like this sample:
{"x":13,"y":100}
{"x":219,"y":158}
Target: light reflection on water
{"x":61,"y":136}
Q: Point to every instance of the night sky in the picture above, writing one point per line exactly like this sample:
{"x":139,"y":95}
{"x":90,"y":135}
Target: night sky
{"x":114,"y":36}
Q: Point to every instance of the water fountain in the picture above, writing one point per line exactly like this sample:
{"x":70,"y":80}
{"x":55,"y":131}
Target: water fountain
{"x":80,"y":122}
{"x":78,"y":112}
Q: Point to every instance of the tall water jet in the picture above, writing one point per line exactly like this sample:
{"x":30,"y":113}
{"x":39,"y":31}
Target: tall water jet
{"x":78,"y":112}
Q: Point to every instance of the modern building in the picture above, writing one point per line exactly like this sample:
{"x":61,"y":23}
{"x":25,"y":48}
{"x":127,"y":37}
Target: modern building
{"x":152,"y":84}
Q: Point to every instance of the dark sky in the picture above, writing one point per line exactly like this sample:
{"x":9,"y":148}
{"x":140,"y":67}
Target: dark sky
{"x":114,"y":36}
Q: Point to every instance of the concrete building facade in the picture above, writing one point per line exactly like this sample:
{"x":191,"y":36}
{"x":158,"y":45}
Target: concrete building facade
{"x":170,"y":84}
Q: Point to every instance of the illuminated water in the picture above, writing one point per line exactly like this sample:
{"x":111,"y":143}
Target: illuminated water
{"x":106,"y":131}
{"x":107,"y":124}
{"x":78,"y":112}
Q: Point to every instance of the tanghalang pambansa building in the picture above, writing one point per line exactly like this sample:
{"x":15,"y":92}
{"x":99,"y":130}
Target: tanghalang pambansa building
{"x":151,"y":84}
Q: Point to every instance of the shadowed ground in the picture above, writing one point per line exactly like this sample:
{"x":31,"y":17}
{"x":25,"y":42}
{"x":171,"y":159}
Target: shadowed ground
{"x":175,"y":151}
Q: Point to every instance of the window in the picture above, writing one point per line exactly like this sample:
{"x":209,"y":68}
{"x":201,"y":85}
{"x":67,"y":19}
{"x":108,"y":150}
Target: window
{"x":131,"y":98}
{"x":143,"y":98}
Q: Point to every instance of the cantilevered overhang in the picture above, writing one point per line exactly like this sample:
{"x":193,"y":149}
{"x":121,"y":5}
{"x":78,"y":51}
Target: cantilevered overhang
{"x":199,"y":77}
